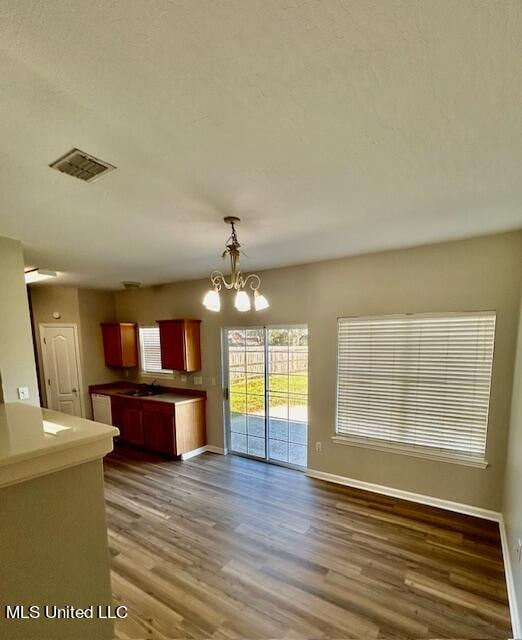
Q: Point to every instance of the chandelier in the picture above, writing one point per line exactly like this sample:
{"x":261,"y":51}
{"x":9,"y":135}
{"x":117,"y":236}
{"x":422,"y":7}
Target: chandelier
{"x":237,"y":281}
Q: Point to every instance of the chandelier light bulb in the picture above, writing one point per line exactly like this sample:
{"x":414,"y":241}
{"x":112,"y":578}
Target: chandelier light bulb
{"x":260,"y":302}
{"x":212,"y":301}
{"x":242,"y":301}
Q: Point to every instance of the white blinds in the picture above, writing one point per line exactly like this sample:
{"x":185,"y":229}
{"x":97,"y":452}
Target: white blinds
{"x":150,"y":350}
{"x":417,"y":381}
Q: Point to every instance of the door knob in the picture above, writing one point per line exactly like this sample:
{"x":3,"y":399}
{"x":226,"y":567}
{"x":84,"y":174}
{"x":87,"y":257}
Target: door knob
{"x":74,"y":390}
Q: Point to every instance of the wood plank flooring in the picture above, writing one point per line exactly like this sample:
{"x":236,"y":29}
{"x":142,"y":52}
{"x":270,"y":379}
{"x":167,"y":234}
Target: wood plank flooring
{"x":223,"y":547}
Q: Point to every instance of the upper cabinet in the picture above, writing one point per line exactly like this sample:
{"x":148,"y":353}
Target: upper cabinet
{"x":180,"y":344}
{"x":120,"y":344}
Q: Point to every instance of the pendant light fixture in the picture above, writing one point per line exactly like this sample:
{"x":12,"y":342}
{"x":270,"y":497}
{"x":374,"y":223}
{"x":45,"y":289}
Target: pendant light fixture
{"x":238,"y":282}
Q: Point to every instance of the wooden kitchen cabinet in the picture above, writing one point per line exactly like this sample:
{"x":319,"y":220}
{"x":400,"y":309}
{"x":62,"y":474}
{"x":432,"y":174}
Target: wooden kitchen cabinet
{"x":120,"y":344}
{"x":170,"y":427}
{"x":133,"y":422}
{"x":191,"y":429}
{"x":158,"y":428}
{"x":180,"y":344}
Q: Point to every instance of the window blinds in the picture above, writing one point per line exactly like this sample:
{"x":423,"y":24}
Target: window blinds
{"x":150,"y":350}
{"x":416,"y":381}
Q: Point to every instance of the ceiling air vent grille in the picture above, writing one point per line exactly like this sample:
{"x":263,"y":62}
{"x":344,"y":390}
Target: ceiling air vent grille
{"x":81,"y":165}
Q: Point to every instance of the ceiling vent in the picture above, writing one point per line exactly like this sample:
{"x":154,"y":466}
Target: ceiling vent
{"x":81,"y":165}
{"x":131,"y":284}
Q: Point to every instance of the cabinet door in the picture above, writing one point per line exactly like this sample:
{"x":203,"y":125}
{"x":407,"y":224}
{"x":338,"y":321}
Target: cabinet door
{"x":133,"y":425}
{"x":129,"y":345}
{"x":112,"y":344}
{"x":172,"y":343}
{"x":158,"y":430}
{"x":192,"y":345}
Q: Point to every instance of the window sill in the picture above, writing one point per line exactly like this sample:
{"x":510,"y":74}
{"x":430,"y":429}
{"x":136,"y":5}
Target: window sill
{"x":407,"y":451}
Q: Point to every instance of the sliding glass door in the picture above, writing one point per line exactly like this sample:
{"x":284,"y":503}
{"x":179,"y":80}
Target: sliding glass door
{"x":287,"y":397}
{"x":266,"y":378}
{"x":246,"y":391}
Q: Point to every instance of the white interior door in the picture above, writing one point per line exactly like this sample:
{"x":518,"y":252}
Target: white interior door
{"x":61,"y":368}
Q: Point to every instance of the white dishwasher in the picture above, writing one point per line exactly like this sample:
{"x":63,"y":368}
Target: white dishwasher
{"x":101,"y":408}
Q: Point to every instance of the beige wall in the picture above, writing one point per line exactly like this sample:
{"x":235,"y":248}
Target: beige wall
{"x":476,"y":274}
{"x":512,"y":507}
{"x":87,"y":309}
{"x":95,"y":307}
{"x":17,"y":363}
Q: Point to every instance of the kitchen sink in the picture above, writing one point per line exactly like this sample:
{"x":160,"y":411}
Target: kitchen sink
{"x":141,"y":393}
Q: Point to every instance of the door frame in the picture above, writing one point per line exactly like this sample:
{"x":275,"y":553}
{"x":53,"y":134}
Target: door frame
{"x":45,"y":365}
{"x":226,"y":396}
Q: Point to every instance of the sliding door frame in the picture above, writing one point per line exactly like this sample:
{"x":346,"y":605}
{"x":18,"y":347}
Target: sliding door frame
{"x":225,"y":379}
{"x":225,"y":375}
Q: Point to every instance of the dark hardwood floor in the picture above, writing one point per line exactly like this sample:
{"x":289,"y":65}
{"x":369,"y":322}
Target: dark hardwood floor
{"x":223,"y":547}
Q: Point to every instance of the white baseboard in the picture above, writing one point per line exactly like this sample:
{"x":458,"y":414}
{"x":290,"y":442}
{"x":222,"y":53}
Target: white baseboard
{"x":193,"y":453}
{"x":458,"y":507}
{"x":510,"y":582}
{"x":208,"y":447}
{"x":212,"y":449}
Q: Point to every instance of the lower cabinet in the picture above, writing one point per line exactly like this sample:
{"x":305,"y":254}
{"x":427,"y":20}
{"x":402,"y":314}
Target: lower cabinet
{"x":161,"y":427}
{"x":133,"y":425}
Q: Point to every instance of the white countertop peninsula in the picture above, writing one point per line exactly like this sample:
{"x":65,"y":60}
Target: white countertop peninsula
{"x":36,"y":441}
{"x":53,"y":538}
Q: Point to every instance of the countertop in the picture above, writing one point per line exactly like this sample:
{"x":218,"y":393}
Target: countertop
{"x":36,"y":441}
{"x":176,"y":396}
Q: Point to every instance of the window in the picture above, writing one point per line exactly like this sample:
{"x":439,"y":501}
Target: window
{"x":418,"y":383}
{"x":150,"y":353}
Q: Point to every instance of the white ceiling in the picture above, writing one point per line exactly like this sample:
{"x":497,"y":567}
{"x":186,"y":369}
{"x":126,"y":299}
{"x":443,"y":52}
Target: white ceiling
{"x":331,"y":128}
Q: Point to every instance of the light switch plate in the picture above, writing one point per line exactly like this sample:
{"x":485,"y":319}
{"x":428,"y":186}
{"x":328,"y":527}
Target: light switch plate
{"x":23,"y":393}
{"x":183,"y":378}
{"x":198,"y":380}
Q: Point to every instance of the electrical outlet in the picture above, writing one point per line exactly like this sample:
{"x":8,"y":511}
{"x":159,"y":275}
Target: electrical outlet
{"x":183,"y":378}
{"x":318,"y":447}
{"x":519,"y":549}
{"x":23,"y":393}
{"x":198,"y":380}
{"x":213,"y":382}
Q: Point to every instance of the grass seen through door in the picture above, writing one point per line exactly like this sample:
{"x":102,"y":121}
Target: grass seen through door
{"x":255,"y":388}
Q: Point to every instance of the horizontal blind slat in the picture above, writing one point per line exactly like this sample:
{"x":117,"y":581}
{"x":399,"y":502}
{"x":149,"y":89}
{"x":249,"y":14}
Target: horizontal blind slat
{"x":419,"y":380}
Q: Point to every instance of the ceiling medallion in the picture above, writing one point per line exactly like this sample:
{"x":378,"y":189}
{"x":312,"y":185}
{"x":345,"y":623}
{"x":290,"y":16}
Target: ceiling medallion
{"x":237,"y":281}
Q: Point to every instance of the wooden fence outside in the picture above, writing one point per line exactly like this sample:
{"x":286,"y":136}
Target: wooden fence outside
{"x":281,"y":360}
